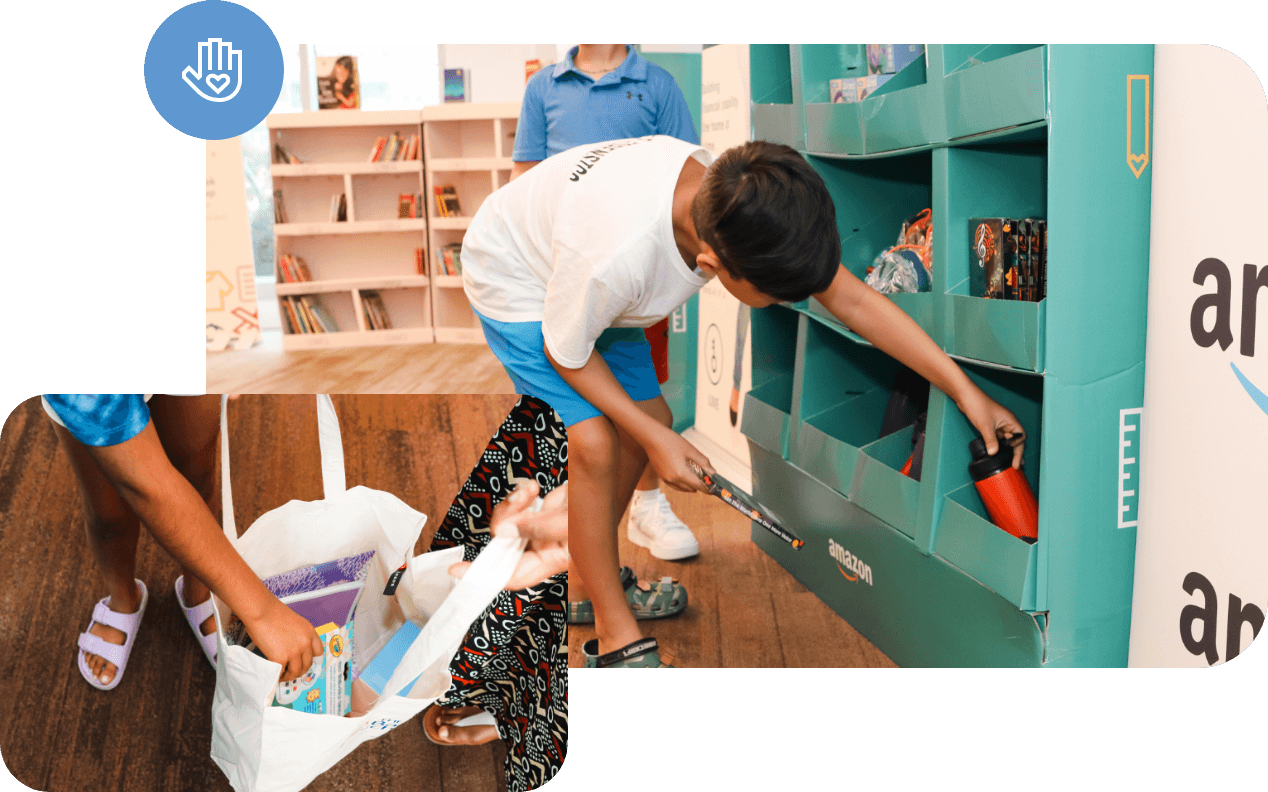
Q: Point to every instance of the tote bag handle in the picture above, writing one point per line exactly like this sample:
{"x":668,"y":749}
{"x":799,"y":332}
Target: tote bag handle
{"x":331,"y":448}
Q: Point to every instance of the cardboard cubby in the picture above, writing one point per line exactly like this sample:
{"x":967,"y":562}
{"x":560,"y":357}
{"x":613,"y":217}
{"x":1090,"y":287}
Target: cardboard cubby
{"x":872,"y":198}
{"x":991,"y":180}
{"x":964,"y":535}
{"x":776,"y":116}
{"x":993,"y":87}
{"x":879,"y":486}
{"x":768,"y":405}
{"x":904,"y":113}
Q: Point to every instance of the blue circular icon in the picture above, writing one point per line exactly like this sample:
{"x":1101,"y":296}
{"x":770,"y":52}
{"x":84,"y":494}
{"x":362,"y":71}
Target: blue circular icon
{"x":213,"y":70}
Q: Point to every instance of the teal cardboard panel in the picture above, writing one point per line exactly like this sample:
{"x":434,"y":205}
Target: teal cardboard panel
{"x":917,"y":609}
{"x":828,"y":443}
{"x":766,"y":415}
{"x":680,"y":389}
{"x":902,"y":119}
{"x":835,"y":128}
{"x":987,"y":553}
{"x":920,"y":307}
{"x":779,"y":123}
{"x":770,"y":74}
{"x":881,"y":490}
{"x":685,"y":69}
{"x":821,"y":63}
{"x":1001,"y":93}
{"x":1007,"y":332}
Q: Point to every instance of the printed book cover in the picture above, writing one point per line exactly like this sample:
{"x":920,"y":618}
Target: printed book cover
{"x":337,"y":85}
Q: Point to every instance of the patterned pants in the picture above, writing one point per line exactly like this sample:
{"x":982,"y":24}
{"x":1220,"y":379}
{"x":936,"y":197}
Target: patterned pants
{"x":514,"y":661}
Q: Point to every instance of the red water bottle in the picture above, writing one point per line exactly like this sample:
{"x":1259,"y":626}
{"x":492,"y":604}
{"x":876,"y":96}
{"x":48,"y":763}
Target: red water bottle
{"x":1005,"y":491}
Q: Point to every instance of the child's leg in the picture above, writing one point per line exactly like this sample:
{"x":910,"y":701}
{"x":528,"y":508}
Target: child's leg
{"x":602,"y":471}
{"x":188,"y":427}
{"x":112,"y":529}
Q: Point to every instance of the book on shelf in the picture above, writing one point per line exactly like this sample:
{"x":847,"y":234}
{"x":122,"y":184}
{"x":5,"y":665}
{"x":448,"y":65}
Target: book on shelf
{"x":292,"y":269}
{"x":307,"y":315}
{"x":420,"y":261}
{"x":279,"y":208}
{"x":395,"y":148}
{"x":339,"y":208}
{"x":283,"y":157}
{"x":531,"y":67}
{"x":409,"y":206}
{"x":375,"y":311}
{"x":338,"y":87}
{"x":449,"y":259}
{"x":447,"y":201}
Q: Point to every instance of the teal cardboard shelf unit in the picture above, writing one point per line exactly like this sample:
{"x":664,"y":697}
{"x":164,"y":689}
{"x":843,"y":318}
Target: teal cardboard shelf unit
{"x":1000,"y":131}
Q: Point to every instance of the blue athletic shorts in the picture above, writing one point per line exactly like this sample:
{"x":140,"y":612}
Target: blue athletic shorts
{"x":99,"y":419}
{"x":521,"y":348}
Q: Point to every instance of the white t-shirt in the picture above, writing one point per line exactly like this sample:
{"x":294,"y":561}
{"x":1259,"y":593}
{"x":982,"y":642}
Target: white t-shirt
{"x":582,"y":242}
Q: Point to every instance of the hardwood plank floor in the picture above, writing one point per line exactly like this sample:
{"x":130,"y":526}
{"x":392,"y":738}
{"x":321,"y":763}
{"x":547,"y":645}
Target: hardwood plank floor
{"x":744,"y":609}
{"x":418,"y":368}
{"x":153,"y":732}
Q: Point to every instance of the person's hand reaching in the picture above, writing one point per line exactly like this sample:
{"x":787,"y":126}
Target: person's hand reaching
{"x":285,"y":637}
{"x":669,"y":456}
{"x":996,"y":424}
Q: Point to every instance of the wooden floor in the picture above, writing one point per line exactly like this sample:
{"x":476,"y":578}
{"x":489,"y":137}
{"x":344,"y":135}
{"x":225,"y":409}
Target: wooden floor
{"x":417,"y":368}
{"x":153,"y":731}
{"x":744,"y":610}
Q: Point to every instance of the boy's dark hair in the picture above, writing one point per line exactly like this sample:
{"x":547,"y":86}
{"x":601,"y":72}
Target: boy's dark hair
{"x":768,"y":216}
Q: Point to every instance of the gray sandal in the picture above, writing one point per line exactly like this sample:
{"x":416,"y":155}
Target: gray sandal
{"x":658,"y":600}
{"x":643,"y":653}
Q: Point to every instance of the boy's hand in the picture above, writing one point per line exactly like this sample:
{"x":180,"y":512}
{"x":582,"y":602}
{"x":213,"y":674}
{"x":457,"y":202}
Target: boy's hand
{"x":668,"y":454}
{"x":546,"y":531}
{"x":287,"y":638}
{"x":993,"y":421}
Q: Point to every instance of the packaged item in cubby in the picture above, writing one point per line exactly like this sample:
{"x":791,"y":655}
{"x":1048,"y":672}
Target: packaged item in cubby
{"x":843,"y":90}
{"x":1038,"y":243}
{"x":988,"y":237}
{"x":914,"y":462}
{"x":1023,"y":261}
{"x":1012,"y":280}
{"x":326,"y":689}
{"x":370,"y":682}
{"x":891,"y":58}
{"x":868,"y":85}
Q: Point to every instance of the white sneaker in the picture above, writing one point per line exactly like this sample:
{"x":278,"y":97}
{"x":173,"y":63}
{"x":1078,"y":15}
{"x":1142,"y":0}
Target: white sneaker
{"x":654,"y":525}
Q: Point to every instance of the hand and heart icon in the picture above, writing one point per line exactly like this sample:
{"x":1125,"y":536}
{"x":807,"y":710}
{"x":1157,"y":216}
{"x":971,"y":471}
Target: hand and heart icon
{"x":218,"y":66}
{"x":218,"y":82}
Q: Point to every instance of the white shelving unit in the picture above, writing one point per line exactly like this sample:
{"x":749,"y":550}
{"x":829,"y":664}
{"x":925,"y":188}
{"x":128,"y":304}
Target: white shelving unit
{"x":468,"y":146}
{"x":373,"y":249}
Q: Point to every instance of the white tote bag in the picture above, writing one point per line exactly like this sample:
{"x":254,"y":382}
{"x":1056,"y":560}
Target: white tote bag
{"x":262,"y":748}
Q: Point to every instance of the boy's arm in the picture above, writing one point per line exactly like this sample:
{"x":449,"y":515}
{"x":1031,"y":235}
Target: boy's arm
{"x":871,"y":315}
{"x":179,"y":519}
{"x":667,"y":451}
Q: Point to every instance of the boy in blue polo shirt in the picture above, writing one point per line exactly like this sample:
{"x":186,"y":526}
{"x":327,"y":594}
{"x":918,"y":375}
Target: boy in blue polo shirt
{"x":565,"y":264}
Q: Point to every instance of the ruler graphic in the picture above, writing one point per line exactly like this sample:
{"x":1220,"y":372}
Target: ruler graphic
{"x":1128,"y":466}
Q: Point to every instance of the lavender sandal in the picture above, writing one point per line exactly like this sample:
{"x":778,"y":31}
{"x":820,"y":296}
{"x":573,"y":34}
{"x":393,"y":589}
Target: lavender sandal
{"x":126,"y":623}
{"x":194,"y":617}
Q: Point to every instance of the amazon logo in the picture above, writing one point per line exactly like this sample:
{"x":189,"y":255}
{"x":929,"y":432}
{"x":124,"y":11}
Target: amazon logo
{"x":850,"y":565}
{"x":1254,"y":280}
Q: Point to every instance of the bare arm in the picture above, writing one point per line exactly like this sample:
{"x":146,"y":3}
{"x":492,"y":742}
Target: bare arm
{"x":667,"y":451}
{"x":892,"y":331}
{"x":179,"y":519}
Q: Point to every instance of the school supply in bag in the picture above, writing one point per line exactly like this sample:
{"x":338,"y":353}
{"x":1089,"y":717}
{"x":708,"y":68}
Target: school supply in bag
{"x":265,"y":748}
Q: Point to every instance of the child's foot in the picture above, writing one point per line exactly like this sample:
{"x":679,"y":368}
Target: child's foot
{"x":735,"y":405}
{"x":197,"y":593}
{"x":441,"y":725}
{"x":654,"y":525}
{"x":100,"y":667}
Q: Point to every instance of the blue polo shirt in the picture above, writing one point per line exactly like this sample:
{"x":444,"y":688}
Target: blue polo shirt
{"x":564,"y":107}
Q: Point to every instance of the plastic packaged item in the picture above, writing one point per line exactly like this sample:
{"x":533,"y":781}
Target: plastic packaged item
{"x":1004,"y":491}
{"x":908,"y":265}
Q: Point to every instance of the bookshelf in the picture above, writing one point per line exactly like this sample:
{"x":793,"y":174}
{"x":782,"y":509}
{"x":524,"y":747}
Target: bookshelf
{"x":968,"y":131}
{"x":467,"y":146}
{"x":373,"y":250}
